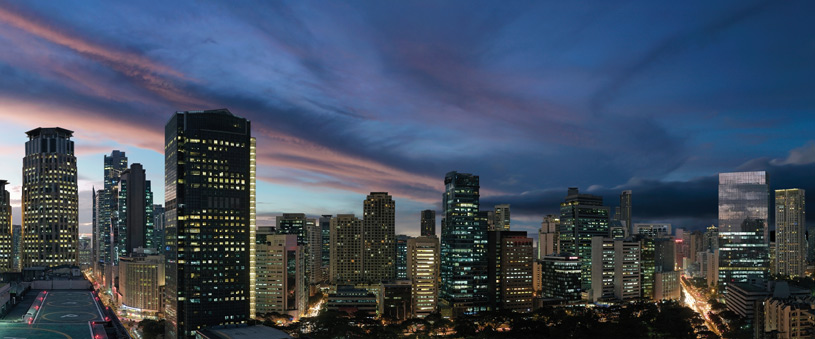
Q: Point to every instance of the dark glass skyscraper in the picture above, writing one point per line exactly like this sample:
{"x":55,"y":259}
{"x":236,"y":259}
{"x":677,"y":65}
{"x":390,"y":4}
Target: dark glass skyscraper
{"x":135,"y":212}
{"x":582,"y":216}
{"x":325,"y":228}
{"x":463,"y":246}
{"x":104,"y":211}
{"x":209,"y":198}
{"x":50,"y":200}
{"x":401,"y":256}
{"x":743,"y":243}
{"x":428,"y":223}
{"x":6,"y":231}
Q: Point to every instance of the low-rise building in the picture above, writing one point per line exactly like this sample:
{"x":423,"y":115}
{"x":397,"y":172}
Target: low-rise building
{"x":560,"y":276}
{"x":351,"y":300}
{"x":141,"y":286}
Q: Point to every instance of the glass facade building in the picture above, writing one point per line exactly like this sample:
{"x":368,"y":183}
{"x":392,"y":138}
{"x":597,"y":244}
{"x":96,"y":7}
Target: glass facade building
{"x":743,"y":241}
{"x":561,"y":277}
{"x":6,"y":230}
{"x":401,"y":256}
{"x":50,"y":200}
{"x":790,"y":232}
{"x":463,"y":247}
{"x":104,"y":209}
{"x":134,"y":220}
{"x":428,"y":223}
{"x":209,"y":226}
{"x":582,"y":216}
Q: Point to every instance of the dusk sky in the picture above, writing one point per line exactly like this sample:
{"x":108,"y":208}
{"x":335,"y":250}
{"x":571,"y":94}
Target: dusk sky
{"x":346,"y":98}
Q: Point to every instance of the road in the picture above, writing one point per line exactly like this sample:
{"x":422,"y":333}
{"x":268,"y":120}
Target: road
{"x":696,"y":301}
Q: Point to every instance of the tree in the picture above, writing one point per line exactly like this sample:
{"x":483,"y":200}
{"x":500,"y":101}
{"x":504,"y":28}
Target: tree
{"x":152,"y":329}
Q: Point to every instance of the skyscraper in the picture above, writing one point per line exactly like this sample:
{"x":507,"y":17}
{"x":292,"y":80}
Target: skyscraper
{"x":501,"y":218}
{"x":428,"y":223}
{"x":743,"y":247}
{"x":379,"y":238}
{"x":304,"y":228}
{"x":6,"y":230}
{"x":280,"y":276}
{"x":50,"y":200}
{"x":463,"y":247}
{"x":105,"y":209}
{"x":325,"y":227}
{"x":625,"y":210}
{"x":134,"y":220}
{"x":158,"y":227}
{"x":790,"y":231}
{"x":549,"y":236}
{"x":402,"y":256}
{"x":510,"y":255}
{"x":209,"y":209}
{"x":423,"y":272}
{"x":582,"y":216}
{"x":346,"y":250}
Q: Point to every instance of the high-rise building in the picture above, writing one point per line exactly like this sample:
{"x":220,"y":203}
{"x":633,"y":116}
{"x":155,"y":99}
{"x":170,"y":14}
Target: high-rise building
{"x":561,"y":277}
{"x":510,"y":256}
{"x":210,"y":227}
{"x":84,"y":252}
{"x":549,"y":236}
{"x":280,"y":284}
{"x":346,"y":250}
{"x":423,"y":272}
{"x":711,"y":238}
{"x":652,"y":230}
{"x":158,"y":227}
{"x":616,"y":269}
{"x":304,"y":228}
{"x":790,"y":232}
{"x":141,"y":285}
{"x":501,"y":218}
{"x":293,"y":223}
{"x":104,"y":209}
{"x":50,"y":200}
{"x":402,"y":256}
{"x":463,"y":247}
{"x":325,"y":227}
{"x":625,"y":210}
{"x":134,"y":221}
{"x":428,"y":223}
{"x":6,"y":230}
{"x":16,"y":247}
{"x":743,"y":241}
{"x":379,"y":238}
{"x":582,"y":216}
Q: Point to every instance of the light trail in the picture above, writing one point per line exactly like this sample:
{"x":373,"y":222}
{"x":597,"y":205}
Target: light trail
{"x":699,"y":306}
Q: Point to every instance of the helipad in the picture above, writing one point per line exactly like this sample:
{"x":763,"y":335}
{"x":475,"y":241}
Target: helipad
{"x":64,"y":314}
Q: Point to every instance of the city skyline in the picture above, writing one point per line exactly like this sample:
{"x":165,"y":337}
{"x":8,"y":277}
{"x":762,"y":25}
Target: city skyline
{"x":530,"y":93}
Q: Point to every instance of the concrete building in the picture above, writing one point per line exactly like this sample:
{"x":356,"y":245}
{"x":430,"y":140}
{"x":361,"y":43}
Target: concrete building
{"x":313,"y":252}
{"x":428,"y":226}
{"x":787,"y":318}
{"x":210,"y":221}
{"x":582,"y":216}
{"x":6,"y":230}
{"x":549,"y":236}
{"x":741,"y":298}
{"x":379,"y":238}
{"x":616,"y":271}
{"x":501,"y":218}
{"x":281,"y":281}
{"x":50,"y":200}
{"x":423,"y":272}
{"x":394,"y":301}
{"x":666,"y":285}
{"x":510,"y":257}
{"x":352,"y":300}
{"x":790,"y":232}
{"x":346,"y":250}
{"x":141,"y":286}
{"x":561,"y":277}
{"x":660,"y":230}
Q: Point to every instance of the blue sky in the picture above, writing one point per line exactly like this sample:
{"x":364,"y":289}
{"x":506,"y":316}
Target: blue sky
{"x":352,"y":97}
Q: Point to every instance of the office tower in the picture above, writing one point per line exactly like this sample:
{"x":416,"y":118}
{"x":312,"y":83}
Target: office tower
{"x":346,"y":250}
{"x":510,"y":256}
{"x":501,"y":218}
{"x":711,"y":238}
{"x":293,"y":223}
{"x":582,"y":216}
{"x":615,"y":269}
{"x":486,"y":218}
{"x":313,"y":252}
{"x":428,"y":223}
{"x":423,"y":272}
{"x":134,"y":221}
{"x":141,"y":285}
{"x":379,"y":238}
{"x":281,"y":285}
{"x":6,"y":230}
{"x":652,"y":230}
{"x":463,"y":247}
{"x":647,"y":266}
{"x":158,"y":227}
{"x":104,"y":211}
{"x":50,"y":211}
{"x":17,"y":248}
{"x":561,"y":277}
{"x":616,"y":230}
{"x":299,"y":225}
{"x":325,"y":226}
{"x":666,"y":286}
{"x":209,"y":210}
{"x":790,"y":228}
{"x":743,"y":205}
{"x":625,"y":210}
{"x":401,"y":256}
{"x":84,"y":252}
{"x":394,"y":301}
{"x":549,"y":236}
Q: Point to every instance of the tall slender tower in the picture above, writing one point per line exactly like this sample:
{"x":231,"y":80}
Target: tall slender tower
{"x":50,"y":199}
{"x":135,"y":212}
{"x":6,"y":230}
{"x":428,"y":223}
{"x":346,"y":250}
{"x":790,"y":232}
{"x":379,"y":238}
{"x":463,"y":247}
{"x":501,"y":218}
{"x":625,"y":210}
{"x":209,"y":170}
{"x":105,"y":209}
{"x":743,"y":242}
{"x":549,"y":236}
{"x":423,"y":271}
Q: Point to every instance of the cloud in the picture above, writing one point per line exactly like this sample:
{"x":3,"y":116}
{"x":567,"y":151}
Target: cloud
{"x":799,"y":156}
